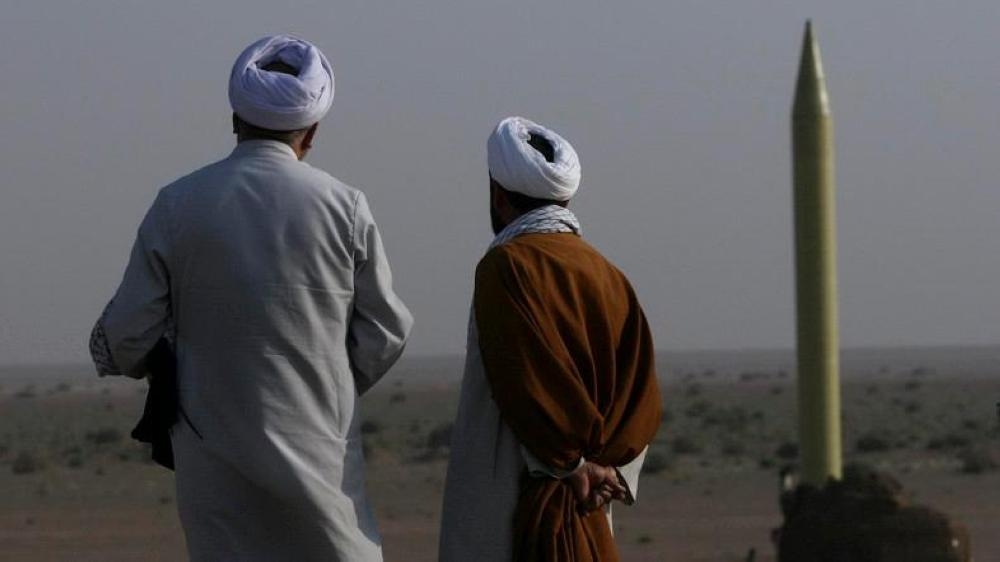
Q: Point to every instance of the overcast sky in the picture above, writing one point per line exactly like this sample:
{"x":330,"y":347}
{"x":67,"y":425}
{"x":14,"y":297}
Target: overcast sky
{"x":679,"y":112}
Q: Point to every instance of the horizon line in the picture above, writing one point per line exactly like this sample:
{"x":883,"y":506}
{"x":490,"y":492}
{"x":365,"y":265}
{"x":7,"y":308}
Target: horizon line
{"x":719,"y":350}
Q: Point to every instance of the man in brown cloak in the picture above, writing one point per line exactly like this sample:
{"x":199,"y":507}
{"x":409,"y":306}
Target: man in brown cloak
{"x":559,"y":398}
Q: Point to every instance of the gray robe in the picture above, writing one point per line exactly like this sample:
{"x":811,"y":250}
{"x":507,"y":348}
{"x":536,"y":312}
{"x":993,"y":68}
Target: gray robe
{"x":273,"y":276}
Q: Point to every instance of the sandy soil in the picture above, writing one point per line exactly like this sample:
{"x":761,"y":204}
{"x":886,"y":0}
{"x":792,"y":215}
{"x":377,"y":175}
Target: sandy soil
{"x":90,"y":494}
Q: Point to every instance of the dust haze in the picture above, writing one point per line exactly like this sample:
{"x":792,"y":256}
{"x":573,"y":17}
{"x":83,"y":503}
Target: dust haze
{"x":679,"y":112}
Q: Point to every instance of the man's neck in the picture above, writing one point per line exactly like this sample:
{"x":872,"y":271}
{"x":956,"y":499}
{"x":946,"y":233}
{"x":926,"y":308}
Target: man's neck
{"x":296,"y":147}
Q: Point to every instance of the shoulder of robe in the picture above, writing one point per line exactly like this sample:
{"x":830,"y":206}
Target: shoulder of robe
{"x":489,"y":263}
{"x":323,"y":178}
{"x":175,"y":191}
{"x":498,"y":261}
{"x":524,"y":256}
{"x":325,"y":187}
{"x":505,"y":268}
{"x":600,"y":262}
{"x":195,"y":177}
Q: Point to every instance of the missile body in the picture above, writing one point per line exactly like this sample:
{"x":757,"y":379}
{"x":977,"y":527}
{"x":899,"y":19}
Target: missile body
{"x":817,"y":337}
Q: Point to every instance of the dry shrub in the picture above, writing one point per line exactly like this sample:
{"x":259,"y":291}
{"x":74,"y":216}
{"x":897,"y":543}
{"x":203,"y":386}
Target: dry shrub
{"x":104,"y":436}
{"x":872,"y":443}
{"x":440,"y":437}
{"x":948,"y":441}
{"x":977,"y":460}
{"x":667,"y":417}
{"x":733,"y":448}
{"x":26,"y":392}
{"x":438,"y":444}
{"x":370,"y":427}
{"x":655,"y":463}
{"x":693,"y":390}
{"x":27,"y":463}
{"x":684,"y":445}
{"x":733,"y":419}
{"x":971,"y":425}
{"x":787,"y":451}
{"x":698,"y":409}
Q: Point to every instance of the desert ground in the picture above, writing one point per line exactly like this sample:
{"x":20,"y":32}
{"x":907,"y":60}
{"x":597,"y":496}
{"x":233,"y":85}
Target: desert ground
{"x":74,"y":486}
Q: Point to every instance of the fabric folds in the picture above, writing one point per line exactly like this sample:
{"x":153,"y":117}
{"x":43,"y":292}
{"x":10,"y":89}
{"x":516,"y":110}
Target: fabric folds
{"x":519,"y":167}
{"x":570,"y":360}
{"x":279,"y":101}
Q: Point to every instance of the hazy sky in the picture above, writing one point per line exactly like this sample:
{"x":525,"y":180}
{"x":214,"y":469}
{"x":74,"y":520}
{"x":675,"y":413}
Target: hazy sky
{"x":678,"y":110}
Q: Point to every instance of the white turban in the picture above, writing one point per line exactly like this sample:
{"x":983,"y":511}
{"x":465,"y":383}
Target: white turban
{"x":518,"y":166}
{"x":279,"y":101}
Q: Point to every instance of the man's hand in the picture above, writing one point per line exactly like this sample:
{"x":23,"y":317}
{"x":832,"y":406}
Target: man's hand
{"x":595,"y":485}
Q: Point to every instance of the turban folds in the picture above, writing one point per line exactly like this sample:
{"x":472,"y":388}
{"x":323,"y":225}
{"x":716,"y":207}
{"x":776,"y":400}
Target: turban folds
{"x":519,"y":167}
{"x":275,"y":100}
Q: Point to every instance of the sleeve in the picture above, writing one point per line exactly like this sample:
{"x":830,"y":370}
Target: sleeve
{"x":100,"y":349}
{"x":380,"y":323}
{"x":628,"y":476}
{"x":538,"y":469}
{"x":139,"y":313}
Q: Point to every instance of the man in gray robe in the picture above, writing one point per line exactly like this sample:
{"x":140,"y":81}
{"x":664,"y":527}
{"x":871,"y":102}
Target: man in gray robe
{"x":270,"y":278}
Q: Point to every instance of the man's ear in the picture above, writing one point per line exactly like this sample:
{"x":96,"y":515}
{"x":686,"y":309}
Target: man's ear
{"x":497,"y":197}
{"x":307,"y":140}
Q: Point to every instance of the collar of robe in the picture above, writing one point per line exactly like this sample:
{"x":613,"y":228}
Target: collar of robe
{"x":264,"y":146}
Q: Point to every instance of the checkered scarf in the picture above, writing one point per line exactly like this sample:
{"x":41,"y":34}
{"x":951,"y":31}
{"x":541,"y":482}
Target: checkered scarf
{"x":549,"y":219}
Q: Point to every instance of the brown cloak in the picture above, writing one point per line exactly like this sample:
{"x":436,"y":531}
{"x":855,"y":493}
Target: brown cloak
{"x":570,"y":359}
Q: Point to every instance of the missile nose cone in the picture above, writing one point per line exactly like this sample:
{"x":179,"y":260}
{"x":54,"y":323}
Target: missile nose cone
{"x":811,"y":99}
